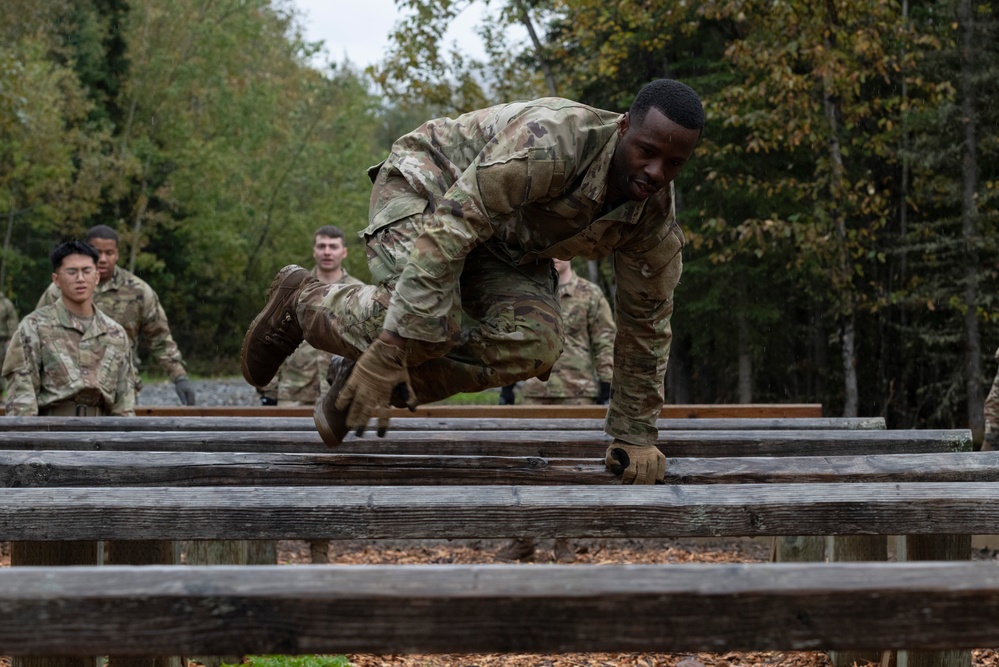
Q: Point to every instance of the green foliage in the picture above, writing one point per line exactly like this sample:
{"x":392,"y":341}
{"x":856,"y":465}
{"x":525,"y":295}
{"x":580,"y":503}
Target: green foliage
{"x":297,"y":661}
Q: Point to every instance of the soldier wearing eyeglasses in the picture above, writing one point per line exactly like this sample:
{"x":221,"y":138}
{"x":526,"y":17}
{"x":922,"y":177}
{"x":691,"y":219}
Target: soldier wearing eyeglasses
{"x":69,"y":358}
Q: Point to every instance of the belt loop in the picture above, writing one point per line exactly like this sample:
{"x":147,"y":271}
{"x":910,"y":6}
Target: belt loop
{"x":81,"y":410}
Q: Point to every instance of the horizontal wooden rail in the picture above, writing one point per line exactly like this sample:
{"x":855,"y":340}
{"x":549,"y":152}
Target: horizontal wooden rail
{"x":417,"y":512}
{"x":555,"y":423}
{"x":20,"y":469}
{"x":695,"y":411}
{"x":574,"y":444}
{"x":496,"y":608}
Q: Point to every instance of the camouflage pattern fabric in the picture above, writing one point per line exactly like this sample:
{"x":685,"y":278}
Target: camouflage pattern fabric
{"x":465,"y":215}
{"x":132,"y":303}
{"x":992,"y":414}
{"x":588,"y":355}
{"x":8,"y":325}
{"x":56,"y":357}
{"x":301,"y":380}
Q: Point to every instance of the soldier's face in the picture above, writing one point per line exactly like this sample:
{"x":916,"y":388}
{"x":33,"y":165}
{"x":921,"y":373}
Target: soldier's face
{"x":77,"y":278}
{"x":329,"y":253}
{"x":107,"y":249}
{"x":650,"y":153}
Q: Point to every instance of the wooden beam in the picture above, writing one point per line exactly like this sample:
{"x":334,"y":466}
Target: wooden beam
{"x":488,"y":411}
{"x":22,"y":469}
{"x":416,"y":512}
{"x":554,"y":423}
{"x":507,"y":443}
{"x":497,"y":608}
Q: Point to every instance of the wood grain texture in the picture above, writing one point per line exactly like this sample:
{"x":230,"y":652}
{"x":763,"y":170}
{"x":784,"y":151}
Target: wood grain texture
{"x":115,"y":468}
{"x":581,"y":444}
{"x":498,"y":608}
{"x":407,"y":512}
{"x":498,"y":423}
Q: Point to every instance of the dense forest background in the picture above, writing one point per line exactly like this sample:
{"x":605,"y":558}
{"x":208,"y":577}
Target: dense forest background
{"x":841,"y":211}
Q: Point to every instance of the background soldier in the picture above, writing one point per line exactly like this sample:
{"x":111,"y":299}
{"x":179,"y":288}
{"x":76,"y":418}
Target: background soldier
{"x":133,"y":304}
{"x":8,"y":325}
{"x":992,"y":415}
{"x":302,"y":377}
{"x":69,"y":358}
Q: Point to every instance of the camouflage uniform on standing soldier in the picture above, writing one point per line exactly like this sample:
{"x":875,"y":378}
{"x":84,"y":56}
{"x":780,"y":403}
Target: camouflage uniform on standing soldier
{"x":133,"y":304}
{"x":992,"y":415}
{"x":8,"y":325}
{"x":466,"y":215}
{"x":69,"y":358}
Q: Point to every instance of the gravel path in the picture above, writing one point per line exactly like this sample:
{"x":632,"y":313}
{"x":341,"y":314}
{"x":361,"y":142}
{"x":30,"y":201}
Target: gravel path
{"x":225,"y":391}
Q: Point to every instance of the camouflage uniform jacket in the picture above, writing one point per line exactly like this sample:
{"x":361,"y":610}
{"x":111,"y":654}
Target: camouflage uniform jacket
{"x":133,"y":304}
{"x":8,"y":323}
{"x":588,"y":355}
{"x":302,"y":377}
{"x":52,"y":359}
{"x":529,"y":180}
{"x":992,"y":413}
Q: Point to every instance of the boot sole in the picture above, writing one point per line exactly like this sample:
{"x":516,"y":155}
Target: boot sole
{"x":265,"y":314}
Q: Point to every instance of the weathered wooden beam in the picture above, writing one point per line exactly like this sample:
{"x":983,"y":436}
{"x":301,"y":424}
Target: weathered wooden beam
{"x":415,"y":512}
{"x":19,"y":469}
{"x":508,"y":443}
{"x":497,"y":608}
{"x":553,"y":423}
{"x":695,"y":411}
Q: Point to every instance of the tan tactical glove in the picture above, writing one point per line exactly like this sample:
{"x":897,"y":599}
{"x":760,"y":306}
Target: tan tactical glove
{"x":368,"y":390}
{"x":636,"y":464}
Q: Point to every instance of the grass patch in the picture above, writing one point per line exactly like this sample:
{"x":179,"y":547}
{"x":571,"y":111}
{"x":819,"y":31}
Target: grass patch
{"x":297,"y":661}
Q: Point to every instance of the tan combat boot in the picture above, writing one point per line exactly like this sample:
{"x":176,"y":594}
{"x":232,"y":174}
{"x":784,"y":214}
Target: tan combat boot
{"x":330,"y":422}
{"x":274,"y":333}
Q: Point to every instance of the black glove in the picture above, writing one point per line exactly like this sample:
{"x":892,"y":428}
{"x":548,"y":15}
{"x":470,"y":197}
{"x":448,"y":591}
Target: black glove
{"x":603,"y":398}
{"x":185,"y":391}
{"x":506,"y":395}
{"x":267,"y":400}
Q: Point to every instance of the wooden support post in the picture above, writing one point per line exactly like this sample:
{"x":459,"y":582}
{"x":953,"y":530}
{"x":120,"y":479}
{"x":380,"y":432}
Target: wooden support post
{"x":848,"y":549}
{"x":54,"y":553}
{"x":936,"y":547}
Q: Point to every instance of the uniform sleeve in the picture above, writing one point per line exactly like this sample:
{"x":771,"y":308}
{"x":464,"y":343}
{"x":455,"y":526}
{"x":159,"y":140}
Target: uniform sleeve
{"x":22,"y":374}
{"x":10,"y":321}
{"x":124,"y":394}
{"x":647,"y":272}
{"x":601,"y":326}
{"x":155,"y":330}
{"x":992,"y":413}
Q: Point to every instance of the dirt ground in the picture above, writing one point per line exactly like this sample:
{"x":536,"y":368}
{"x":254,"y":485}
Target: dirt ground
{"x":589,"y":552}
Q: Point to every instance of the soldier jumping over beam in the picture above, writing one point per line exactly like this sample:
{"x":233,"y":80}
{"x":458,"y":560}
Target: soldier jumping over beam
{"x":466,"y":215}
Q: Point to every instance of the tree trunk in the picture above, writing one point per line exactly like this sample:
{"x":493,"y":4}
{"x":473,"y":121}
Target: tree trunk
{"x":745,"y":356}
{"x":969,"y":227}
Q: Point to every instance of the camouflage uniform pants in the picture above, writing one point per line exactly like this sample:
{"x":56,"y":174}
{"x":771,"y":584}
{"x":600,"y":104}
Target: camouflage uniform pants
{"x":504,"y":323}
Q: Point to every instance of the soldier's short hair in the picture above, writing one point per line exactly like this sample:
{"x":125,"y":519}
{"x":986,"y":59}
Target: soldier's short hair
{"x":102,"y":232}
{"x":74,"y":247}
{"x":331,"y":231}
{"x":677,"y":101}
